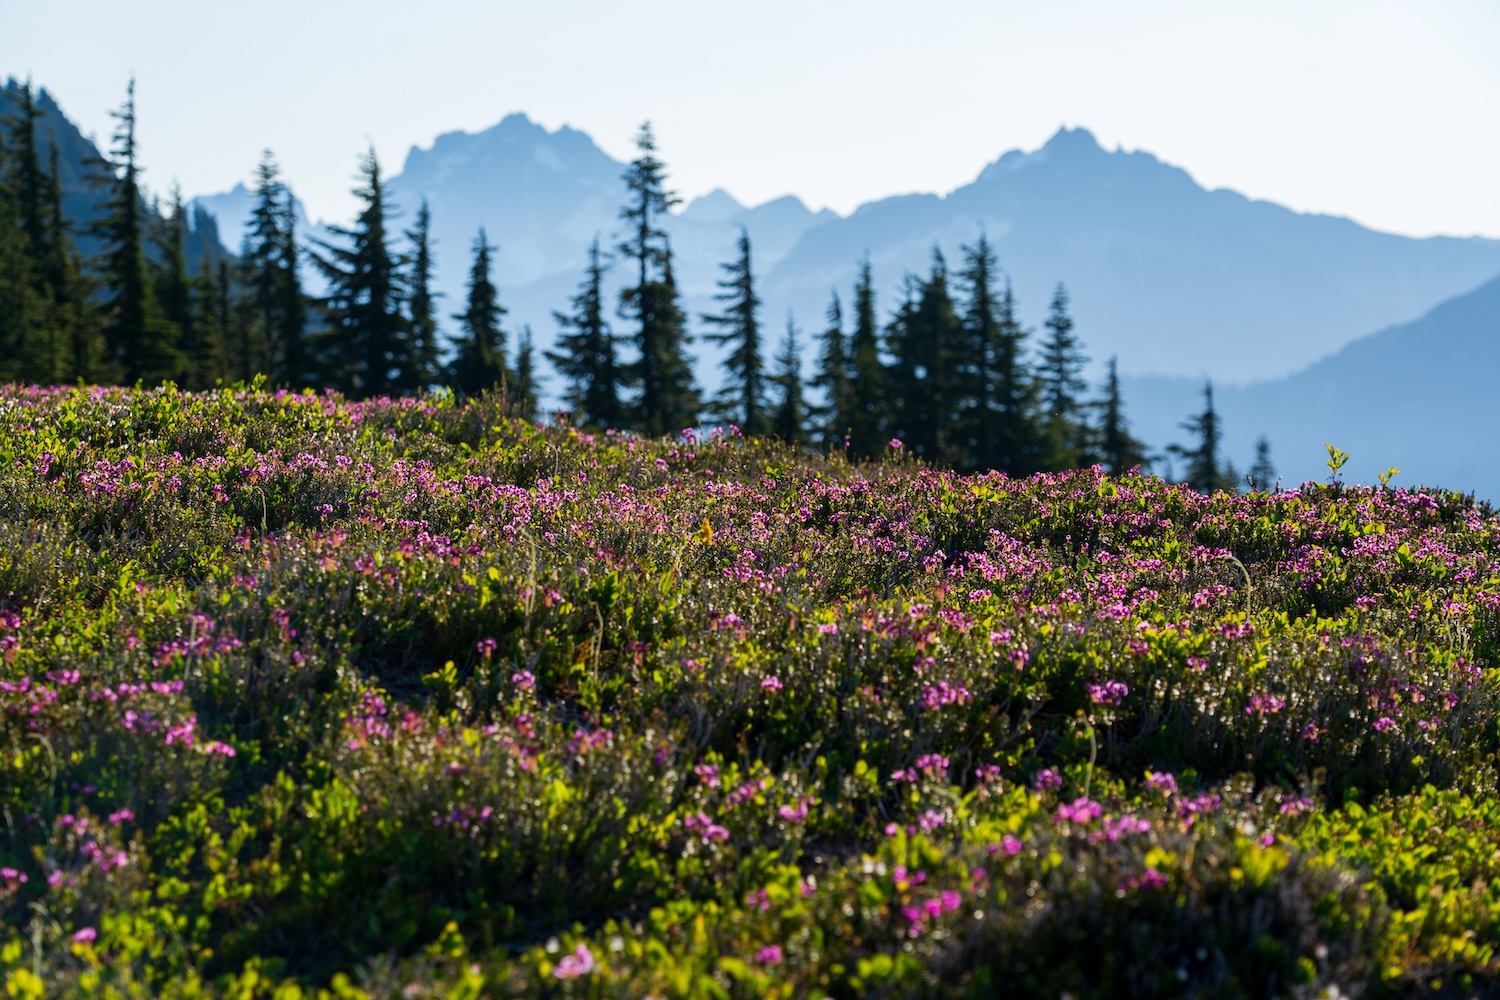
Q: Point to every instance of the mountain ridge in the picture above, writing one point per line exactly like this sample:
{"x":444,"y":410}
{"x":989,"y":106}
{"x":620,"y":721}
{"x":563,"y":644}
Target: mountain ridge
{"x":1412,"y":396}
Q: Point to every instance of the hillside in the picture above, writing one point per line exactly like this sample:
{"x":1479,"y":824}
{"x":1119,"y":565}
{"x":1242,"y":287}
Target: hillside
{"x":416,"y":699}
{"x":1414,"y":396}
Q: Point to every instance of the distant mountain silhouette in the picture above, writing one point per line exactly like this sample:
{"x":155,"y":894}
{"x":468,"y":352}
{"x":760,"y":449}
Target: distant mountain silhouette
{"x":1171,"y":277}
{"x":1418,"y":396}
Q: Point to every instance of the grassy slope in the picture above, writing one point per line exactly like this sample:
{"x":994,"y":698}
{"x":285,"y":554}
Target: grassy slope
{"x":383,"y":694}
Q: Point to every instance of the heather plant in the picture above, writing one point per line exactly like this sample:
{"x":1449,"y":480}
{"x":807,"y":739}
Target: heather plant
{"x":412,"y":696}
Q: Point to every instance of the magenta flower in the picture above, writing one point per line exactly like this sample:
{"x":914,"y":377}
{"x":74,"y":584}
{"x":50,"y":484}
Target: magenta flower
{"x":1163,"y":782}
{"x":794,"y":814}
{"x":579,"y":963}
{"x":772,"y":683}
{"x":86,"y":935}
{"x":1081,"y":811}
{"x":895,"y":444}
{"x":769,"y":955}
{"x":1108,"y":693}
{"x":942,"y":693}
{"x":1046,"y":779}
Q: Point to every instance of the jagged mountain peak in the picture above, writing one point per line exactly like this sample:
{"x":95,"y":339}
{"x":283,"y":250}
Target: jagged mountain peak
{"x":716,"y":206}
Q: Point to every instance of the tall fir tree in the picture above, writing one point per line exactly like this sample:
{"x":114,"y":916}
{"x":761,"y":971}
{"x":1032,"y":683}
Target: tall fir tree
{"x":1017,"y":440}
{"x":901,"y":410}
{"x":31,"y":338}
{"x":141,"y":344}
{"x":210,"y":358}
{"x":18,"y":310}
{"x":667,"y":399}
{"x":1203,"y":471}
{"x":424,"y":359}
{"x":277,"y":344}
{"x":1117,"y":449}
{"x":479,"y":357}
{"x":789,"y":413}
{"x":527,"y":393}
{"x":585,"y":355}
{"x":364,"y":348}
{"x":292,"y":356}
{"x":28,"y":182}
{"x":998,"y":415}
{"x":22,"y":314}
{"x":1059,"y":374}
{"x":867,"y":394}
{"x":174,"y":289}
{"x":79,"y":335}
{"x":943,"y":367}
{"x":835,"y":413}
{"x":742,"y":400}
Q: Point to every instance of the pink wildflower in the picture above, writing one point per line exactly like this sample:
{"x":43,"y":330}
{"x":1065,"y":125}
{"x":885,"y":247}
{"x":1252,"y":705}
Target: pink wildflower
{"x":579,"y":963}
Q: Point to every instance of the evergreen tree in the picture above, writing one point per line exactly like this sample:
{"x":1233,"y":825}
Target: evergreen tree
{"x":210,"y":356}
{"x":30,"y":341}
{"x":943,"y":366}
{"x":1061,"y":364}
{"x":901,"y":411}
{"x":423,"y":362}
{"x":292,"y":355}
{"x":586,"y":352}
{"x":1203,"y":472}
{"x":364,"y":348}
{"x":278,"y":342}
{"x":835,"y":414}
{"x":790,"y":412}
{"x":1017,"y":441}
{"x":527,"y":389}
{"x":1262,"y":474}
{"x":19,"y":311}
{"x":141,"y":344}
{"x":28,"y":183}
{"x":662,"y":373}
{"x":999,"y":429}
{"x":79,"y":345}
{"x":479,"y":360}
{"x":868,"y":390}
{"x":17,"y":305}
{"x":1118,"y":450}
{"x":173,"y":286}
{"x":742,"y":400}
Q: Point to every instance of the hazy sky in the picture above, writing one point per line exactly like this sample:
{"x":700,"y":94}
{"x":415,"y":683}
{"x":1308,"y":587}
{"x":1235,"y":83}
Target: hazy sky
{"x":1383,"y":111}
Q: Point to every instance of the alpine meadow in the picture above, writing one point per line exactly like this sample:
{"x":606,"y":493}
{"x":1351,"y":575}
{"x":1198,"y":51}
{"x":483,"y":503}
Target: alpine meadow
{"x":362,"y":637}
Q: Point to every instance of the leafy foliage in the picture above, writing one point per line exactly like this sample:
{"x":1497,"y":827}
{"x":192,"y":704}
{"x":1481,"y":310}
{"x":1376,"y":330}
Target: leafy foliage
{"x":372,"y":698}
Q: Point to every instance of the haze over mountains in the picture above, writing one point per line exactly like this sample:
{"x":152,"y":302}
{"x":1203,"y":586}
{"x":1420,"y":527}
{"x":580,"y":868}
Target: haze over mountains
{"x":1174,"y":279}
{"x":1418,"y":396}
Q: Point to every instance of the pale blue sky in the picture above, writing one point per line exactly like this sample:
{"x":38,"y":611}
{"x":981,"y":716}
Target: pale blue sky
{"x":1388,"y":112}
